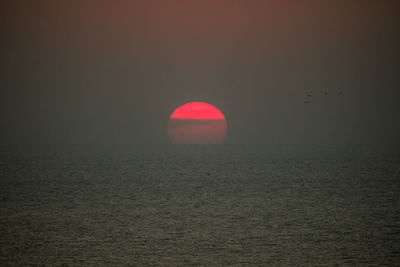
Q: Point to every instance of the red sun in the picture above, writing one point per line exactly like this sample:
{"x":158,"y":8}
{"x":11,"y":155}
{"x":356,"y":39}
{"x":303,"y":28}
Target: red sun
{"x":197,"y":123}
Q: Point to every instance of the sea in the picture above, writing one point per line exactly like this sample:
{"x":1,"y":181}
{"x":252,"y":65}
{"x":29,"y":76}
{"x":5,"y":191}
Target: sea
{"x":208,"y":205}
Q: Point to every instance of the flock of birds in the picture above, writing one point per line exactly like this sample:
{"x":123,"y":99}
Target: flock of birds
{"x":308,"y":96}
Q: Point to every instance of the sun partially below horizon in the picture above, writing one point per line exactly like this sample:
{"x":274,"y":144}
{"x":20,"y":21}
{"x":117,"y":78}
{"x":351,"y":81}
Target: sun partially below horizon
{"x":197,"y":123}
{"x":197,"y":111}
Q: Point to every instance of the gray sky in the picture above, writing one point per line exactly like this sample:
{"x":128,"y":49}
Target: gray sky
{"x":113,"y":71}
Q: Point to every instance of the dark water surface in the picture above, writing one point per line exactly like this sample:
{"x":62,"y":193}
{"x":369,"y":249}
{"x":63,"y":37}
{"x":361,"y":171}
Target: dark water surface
{"x":179,"y":205}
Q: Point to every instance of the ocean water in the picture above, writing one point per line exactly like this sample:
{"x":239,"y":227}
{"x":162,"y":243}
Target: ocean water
{"x":206,"y":205}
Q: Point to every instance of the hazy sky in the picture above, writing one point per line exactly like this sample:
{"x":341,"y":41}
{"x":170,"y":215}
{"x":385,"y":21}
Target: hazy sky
{"x":114,"y":71}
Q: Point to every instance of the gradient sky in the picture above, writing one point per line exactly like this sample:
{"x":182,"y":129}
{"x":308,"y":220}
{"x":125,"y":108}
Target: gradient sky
{"x":114,"y":71}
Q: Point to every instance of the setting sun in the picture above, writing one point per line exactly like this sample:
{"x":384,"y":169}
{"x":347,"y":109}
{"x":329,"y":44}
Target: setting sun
{"x":197,"y":123}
